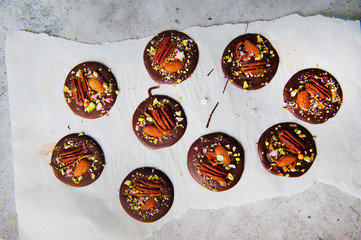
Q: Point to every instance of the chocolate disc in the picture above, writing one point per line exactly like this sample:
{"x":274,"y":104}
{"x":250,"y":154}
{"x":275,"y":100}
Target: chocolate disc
{"x":216,"y":161}
{"x":77,"y":160}
{"x":170,"y":57}
{"x":250,"y":61}
{"x":278,"y":155}
{"x":159,"y":121}
{"x":313,"y":95}
{"x":90,"y":90}
{"x":146,"y":194}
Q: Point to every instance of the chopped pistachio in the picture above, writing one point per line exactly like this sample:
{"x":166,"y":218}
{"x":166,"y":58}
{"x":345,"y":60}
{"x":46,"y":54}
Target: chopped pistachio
{"x":245,"y":84}
{"x":99,"y":106}
{"x":294,"y":93}
{"x":155,"y":101}
{"x":259,"y":39}
{"x":91,"y":107}
{"x":78,"y":73}
{"x":66,"y":89}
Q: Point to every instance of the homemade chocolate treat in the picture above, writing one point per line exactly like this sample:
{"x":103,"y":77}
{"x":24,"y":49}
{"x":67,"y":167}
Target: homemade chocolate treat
{"x":77,"y":160}
{"x":250,"y":61}
{"x":90,"y":90}
{"x":216,"y":161}
{"x":287,"y":149}
{"x":159,"y":121}
{"x":146,"y":194}
{"x":171,"y":57}
{"x":313,"y":95}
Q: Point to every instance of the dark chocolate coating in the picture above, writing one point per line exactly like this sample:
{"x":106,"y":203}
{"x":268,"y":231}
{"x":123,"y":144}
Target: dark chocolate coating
{"x":166,"y":140}
{"x":302,"y":166}
{"x":130,"y":202}
{"x":96,"y":164}
{"x":107,"y":99}
{"x":315,"y":115}
{"x":190,"y":60}
{"x":207,"y":143}
{"x":230,"y":67}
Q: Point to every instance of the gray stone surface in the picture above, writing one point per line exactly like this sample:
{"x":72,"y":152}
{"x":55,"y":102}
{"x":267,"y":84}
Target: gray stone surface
{"x":321,"y":212}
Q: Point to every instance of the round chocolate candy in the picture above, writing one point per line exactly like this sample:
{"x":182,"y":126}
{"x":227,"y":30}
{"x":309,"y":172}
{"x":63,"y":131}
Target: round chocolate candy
{"x":159,"y":121}
{"x":146,"y":194}
{"x":170,"y":57}
{"x":216,"y":161}
{"x":90,"y":90}
{"x":287,"y":149}
{"x":313,"y":95}
{"x":250,"y":61}
{"x":77,"y":160}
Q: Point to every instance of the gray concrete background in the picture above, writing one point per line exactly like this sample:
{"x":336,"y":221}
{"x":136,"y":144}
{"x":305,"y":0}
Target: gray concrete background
{"x":322,"y":212}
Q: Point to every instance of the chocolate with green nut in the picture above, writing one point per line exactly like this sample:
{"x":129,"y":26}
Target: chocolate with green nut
{"x":241,"y":66}
{"x":179,"y":48}
{"x":146,"y":194}
{"x":290,"y":142}
{"x":165,"y":115}
{"x":85,"y":101}
{"x":322,"y":105}
{"x":67,"y":154}
{"x":216,"y":171}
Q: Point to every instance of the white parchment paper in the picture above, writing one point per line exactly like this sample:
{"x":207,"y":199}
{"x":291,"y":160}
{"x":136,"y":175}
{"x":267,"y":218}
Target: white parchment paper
{"x":38,"y":64}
